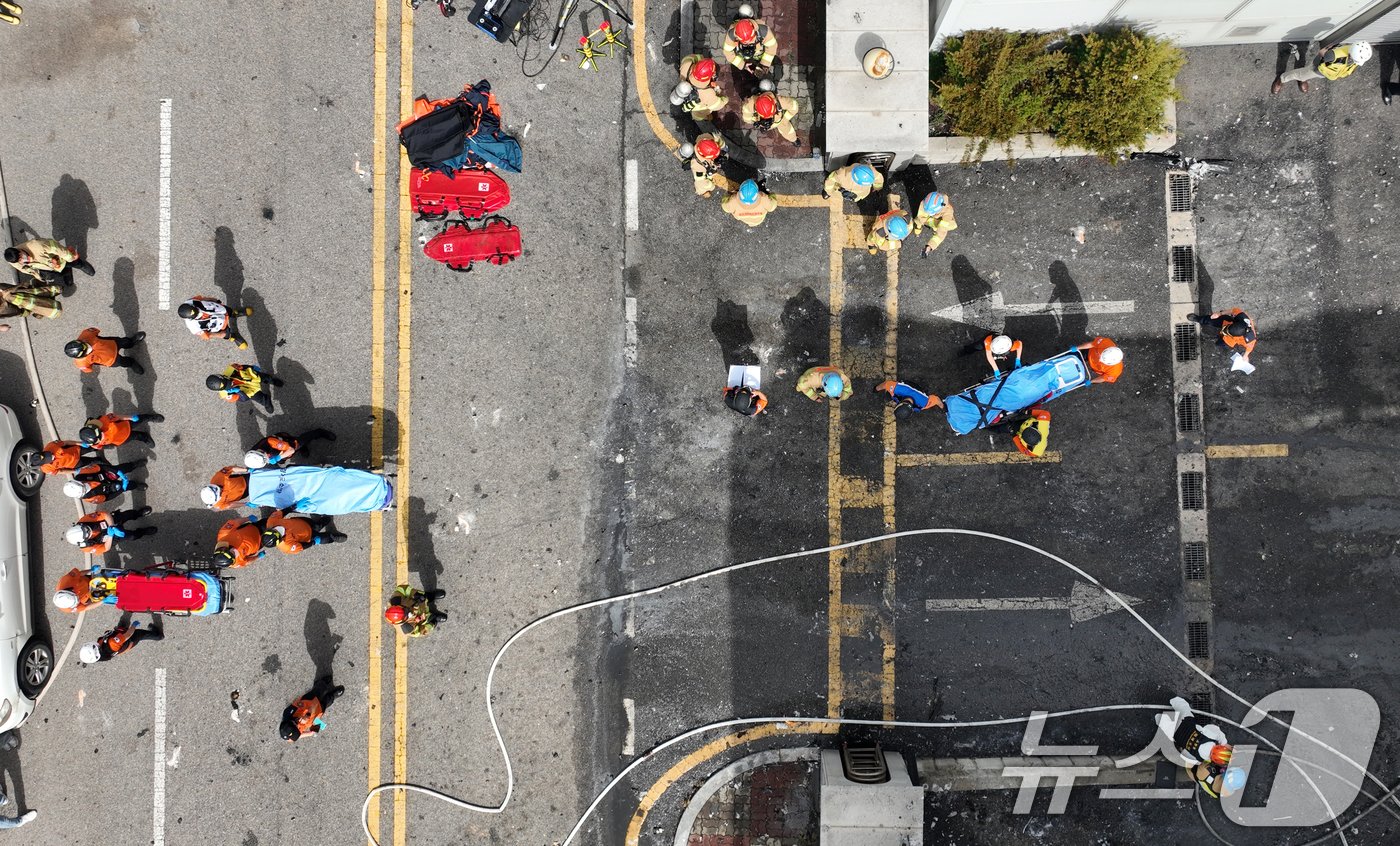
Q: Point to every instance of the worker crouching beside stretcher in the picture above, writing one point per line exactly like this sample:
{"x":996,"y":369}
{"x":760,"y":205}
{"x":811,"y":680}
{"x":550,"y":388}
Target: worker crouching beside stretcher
{"x":906,"y":399}
{"x":1032,"y":437}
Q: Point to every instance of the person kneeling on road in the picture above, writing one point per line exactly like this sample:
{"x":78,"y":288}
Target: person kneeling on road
{"x":113,"y":430}
{"x":244,"y":382}
{"x":745,"y":400}
{"x":99,"y":481}
{"x":279,"y":448}
{"x":65,"y":457}
{"x":239,"y":542}
{"x":819,"y":383}
{"x":227,"y":488}
{"x":303,"y":718}
{"x":411,"y":611}
{"x":294,"y":534}
{"x":116,"y":641}
{"x":906,"y":399}
{"x":45,"y":259}
{"x":95,"y":533}
{"x":1103,"y":358}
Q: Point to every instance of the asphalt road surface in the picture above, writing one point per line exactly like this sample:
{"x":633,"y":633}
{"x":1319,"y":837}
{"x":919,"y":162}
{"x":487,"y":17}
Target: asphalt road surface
{"x":556,"y":435}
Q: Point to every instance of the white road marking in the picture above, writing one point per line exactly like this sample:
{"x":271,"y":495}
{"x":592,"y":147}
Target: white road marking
{"x":991,"y":311}
{"x":1085,"y":602}
{"x":629,"y":350}
{"x":634,"y":220}
{"x":163,"y":267}
{"x":158,"y":793}
{"x":1178,"y":793}
{"x":629,"y":743}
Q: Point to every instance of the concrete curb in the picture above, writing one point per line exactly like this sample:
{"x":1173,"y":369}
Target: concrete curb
{"x":718,"y":780}
{"x":978,"y":774}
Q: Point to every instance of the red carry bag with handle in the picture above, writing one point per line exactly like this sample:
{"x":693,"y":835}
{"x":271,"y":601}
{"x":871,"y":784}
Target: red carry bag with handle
{"x":475,"y":193}
{"x":459,"y":246}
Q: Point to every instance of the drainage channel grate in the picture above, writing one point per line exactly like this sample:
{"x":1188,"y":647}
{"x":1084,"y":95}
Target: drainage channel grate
{"x":1179,"y":190}
{"x":1193,"y":491}
{"x":1193,"y":560}
{"x":1203,"y":701}
{"x":1198,"y":641}
{"x":1187,"y":342}
{"x":1188,"y":413}
{"x":1183,"y":263}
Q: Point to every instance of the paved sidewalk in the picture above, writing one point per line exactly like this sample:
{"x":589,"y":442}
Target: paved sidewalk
{"x":797,"y":73}
{"x":772,"y":805}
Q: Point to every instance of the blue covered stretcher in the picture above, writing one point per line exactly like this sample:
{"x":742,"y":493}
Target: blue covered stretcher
{"x":319,"y":490}
{"x":1016,"y":390}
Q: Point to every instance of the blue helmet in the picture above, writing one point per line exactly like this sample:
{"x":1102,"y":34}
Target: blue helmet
{"x":934,"y":203}
{"x":863,"y":174}
{"x":834,"y":385}
{"x":898,"y":227}
{"x":748,"y":192}
{"x":1235,"y":778}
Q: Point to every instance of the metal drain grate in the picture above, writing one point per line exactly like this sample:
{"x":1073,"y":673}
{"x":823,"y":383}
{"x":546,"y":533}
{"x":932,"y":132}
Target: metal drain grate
{"x":1183,"y":263}
{"x":864,"y":764}
{"x":1198,"y":641}
{"x":1187,"y":342}
{"x":1179,"y":191}
{"x":1203,"y":702}
{"x":1193,"y":560}
{"x":1188,"y":413}
{"x":1193,"y":491}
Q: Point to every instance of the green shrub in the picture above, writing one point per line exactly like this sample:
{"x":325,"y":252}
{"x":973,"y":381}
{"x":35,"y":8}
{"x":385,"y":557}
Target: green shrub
{"x":996,"y":85}
{"x":1102,"y":90}
{"x":1113,"y":96}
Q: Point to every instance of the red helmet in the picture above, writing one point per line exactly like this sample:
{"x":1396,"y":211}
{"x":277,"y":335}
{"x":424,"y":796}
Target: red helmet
{"x":703,"y":70}
{"x":744,"y":31}
{"x":394,"y":614}
{"x":1221,"y":754}
{"x":707,"y":148}
{"x":766,"y":105}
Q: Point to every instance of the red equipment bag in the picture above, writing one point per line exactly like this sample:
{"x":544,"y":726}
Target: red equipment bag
{"x":475,"y":193}
{"x":458,"y":246}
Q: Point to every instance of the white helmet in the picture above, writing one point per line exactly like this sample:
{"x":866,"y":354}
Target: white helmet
{"x":73,"y":488}
{"x":75,"y":535}
{"x":1111,"y":356}
{"x":1001,"y":345}
{"x":1360,"y":52}
{"x":91,"y":653}
{"x":209,"y":494}
{"x":254,"y":460}
{"x":65,"y":599}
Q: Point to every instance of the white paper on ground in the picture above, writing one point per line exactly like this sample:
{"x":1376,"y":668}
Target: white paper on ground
{"x":744,"y":374}
{"x":1241,"y":363}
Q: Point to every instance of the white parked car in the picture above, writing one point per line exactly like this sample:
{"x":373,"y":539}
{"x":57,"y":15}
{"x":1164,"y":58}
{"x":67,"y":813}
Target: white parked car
{"x":26,"y":661}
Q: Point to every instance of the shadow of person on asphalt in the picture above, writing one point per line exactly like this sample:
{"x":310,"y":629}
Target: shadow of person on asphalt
{"x":74,"y":215}
{"x":321,"y":643}
{"x":806,"y":321}
{"x":730,"y":327}
{"x":1074,"y":322}
{"x":1388,"y":55}
{"x":260,"y":329}
{"x":425,"y":564}
{"x":11,"y":776}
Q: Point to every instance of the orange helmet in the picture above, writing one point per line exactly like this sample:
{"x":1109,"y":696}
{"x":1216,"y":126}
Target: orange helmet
{"x":744,"y":31}
{"x":707,"y":148}
{"x":1221,"y":754}
{"x":394,"y":614}
{"x":766,"y":105}
{"x":703,"y":71}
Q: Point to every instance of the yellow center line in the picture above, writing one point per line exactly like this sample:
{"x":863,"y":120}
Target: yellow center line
{"x":405,"y":409}
{"x":969,"y":459}
{"x":705,"y":753}
{"x":376,"y":445}
{"x":1247,"y":451}
{"x":836,"y":296}
{"x":888,"y":435}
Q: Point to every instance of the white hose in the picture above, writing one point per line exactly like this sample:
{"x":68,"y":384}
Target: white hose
{"x":732,"y":568}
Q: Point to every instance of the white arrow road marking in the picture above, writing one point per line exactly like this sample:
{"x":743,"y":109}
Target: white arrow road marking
{"x":1085,"y":602}
{"x":991,"y":311}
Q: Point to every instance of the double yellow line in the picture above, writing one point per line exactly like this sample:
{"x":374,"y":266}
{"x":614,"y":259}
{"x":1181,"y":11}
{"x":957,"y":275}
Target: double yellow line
{"x":379,"y":286}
